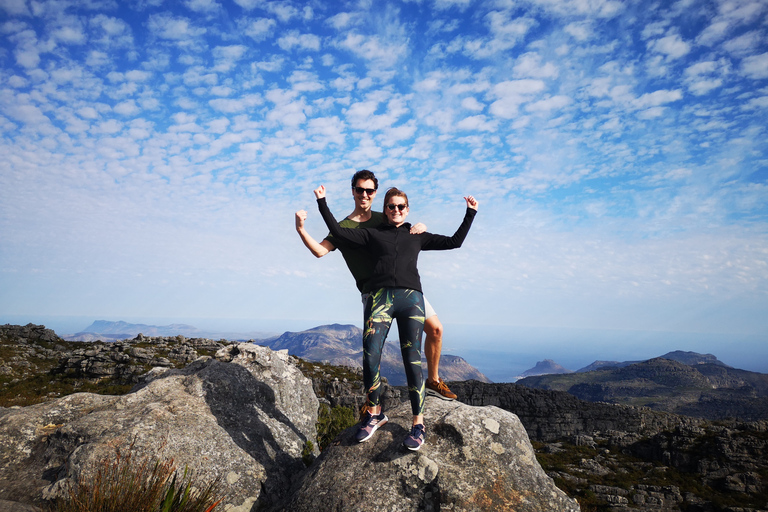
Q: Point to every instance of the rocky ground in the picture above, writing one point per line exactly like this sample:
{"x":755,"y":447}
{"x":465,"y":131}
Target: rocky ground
{"x":608,"y":457}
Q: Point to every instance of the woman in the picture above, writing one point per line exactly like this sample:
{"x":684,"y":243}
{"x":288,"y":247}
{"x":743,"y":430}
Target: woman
{"x":394,"y":293}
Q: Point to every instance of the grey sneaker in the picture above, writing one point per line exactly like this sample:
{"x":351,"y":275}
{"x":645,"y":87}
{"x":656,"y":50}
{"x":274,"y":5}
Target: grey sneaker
{"x":369,"y":425}
{"x":416,"y":438}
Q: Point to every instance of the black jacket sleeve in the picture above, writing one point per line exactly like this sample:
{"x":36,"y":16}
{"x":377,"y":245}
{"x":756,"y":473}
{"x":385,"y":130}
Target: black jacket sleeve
{"x":434,"y":242}
{"x":351,"y":237}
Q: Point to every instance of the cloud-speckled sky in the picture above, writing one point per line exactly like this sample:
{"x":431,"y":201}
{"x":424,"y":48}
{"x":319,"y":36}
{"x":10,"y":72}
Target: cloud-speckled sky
{"x":153,"y":155}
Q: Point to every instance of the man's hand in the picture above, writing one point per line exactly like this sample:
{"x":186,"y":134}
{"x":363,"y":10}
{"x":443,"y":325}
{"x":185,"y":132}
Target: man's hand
{"x":320,"y":192}
{"x":418,"y":229}
{"x":301,"y":216}
{"x":471,"y":202}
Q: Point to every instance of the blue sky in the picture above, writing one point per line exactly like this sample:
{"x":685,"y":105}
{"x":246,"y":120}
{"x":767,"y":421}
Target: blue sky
{"x":153,"y":155}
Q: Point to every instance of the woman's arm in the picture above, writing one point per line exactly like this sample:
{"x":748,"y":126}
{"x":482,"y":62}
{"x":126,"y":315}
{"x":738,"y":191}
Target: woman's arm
{"x":434,"y":242}
{"x":357,"y":237}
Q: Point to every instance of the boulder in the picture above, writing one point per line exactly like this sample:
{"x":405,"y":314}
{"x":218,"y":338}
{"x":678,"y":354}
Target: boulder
{"x":474,"y":459}
{"x":244,"y":417}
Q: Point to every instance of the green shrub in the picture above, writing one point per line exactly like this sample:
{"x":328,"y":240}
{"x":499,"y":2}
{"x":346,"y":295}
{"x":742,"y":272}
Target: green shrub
{"x":331,"y":422}
{"x":125,"y":484}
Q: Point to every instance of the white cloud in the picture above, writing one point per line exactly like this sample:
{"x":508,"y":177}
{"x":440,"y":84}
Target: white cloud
{"x":745,"y":44}
{"x":597,"y":8}
{"x":127,"y":108}
{"x":713,"y":33}
{"x":549,"y":104}
{"x":373,"y":49}
{"x":444,"y":5}
{"x":236,"y":105}
{"x":259,"y":29}
{"x":477,"y":123}
{"x":672,"y":46}
{"x":471,"y":103}
{"x":249,"y":5}
{"x":202,"y":5}
{"x":656,"y":98}
{"x":581,"y":31}
{"x":341,"y":20}
{"x":529,"y":65}
{"x":71,"y":33}
{"x":226,"y":57}
{"x":327,"y":129}
{"x":755,"y":66}
{"x":294,"y":39}
{"x":15,"y":7}
{"x":176,"y":28}
{"x":512,"y":94}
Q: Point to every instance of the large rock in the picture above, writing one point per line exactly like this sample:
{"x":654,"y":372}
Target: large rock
{"x":475,"y":459}
{"x":244,"y":417}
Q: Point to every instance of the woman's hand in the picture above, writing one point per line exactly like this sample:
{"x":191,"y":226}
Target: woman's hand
{"x":471,"y":202}
{"x":320,"y":192}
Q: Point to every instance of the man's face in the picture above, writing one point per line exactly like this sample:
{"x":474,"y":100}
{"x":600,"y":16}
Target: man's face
{"x":364,"y":193}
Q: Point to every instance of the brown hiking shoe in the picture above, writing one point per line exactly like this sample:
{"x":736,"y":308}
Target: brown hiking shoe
{"x":439,"y":389}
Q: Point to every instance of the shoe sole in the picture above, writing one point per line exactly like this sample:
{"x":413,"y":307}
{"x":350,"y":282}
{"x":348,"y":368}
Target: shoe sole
{"x":431,"y":392}
{"x":375,"y":428}
{"x":412,"y":448}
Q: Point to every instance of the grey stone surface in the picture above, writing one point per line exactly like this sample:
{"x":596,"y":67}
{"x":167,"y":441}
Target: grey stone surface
{"x":245,"y":419}
{"x":475,"y":459}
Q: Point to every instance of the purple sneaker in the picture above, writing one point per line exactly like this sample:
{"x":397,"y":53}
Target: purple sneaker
{"x":416,"y":438}
{"x":369,"y":425}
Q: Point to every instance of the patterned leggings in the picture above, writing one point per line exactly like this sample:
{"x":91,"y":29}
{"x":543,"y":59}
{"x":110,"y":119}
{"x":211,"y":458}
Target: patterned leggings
{"x":382,"y":306}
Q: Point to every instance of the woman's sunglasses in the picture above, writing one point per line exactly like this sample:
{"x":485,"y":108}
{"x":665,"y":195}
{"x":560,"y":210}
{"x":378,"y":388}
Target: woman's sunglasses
{"x":400,"y":207}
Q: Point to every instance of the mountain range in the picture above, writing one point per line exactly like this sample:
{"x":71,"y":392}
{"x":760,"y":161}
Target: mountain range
{"x":691,"y":384}
{"x":548,"y":366}
{"x":106,"y":330}
{"x":340,"y":345}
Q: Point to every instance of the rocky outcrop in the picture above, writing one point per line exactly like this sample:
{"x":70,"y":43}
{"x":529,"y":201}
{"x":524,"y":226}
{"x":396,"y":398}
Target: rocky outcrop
{"x":596,"y":441}
{"x":245,"y":417}
{"x":555,"y":415}
{"x":475,"y":459}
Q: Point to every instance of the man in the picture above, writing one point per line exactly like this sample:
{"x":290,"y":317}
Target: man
{"x":359,"y":262}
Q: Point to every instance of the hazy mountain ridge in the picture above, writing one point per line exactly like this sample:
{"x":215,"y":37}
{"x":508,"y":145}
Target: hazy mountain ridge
{"x":106,"y":330}
{"x":681,"y":356}
{"x":342,"y":345}
{"x":705,"y":389}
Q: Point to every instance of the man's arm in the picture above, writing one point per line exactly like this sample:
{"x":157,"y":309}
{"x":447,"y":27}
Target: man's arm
{"x":318,"y":249}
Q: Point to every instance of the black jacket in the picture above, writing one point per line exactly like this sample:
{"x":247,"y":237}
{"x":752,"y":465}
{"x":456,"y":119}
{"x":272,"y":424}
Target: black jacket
{"x":395,"y":249}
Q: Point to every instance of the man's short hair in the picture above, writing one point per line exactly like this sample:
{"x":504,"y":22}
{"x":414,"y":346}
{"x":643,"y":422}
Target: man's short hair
{"x":365,"y":174}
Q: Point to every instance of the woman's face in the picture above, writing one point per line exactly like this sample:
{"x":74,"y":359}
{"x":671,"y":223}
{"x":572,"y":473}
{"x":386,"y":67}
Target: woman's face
{"x":396,"y":210}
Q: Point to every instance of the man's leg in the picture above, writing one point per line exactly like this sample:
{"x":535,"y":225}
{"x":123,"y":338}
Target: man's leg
{"x":433,"y":348}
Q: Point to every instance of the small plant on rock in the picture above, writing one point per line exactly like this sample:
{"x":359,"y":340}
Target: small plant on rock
{"x":126,"y":484}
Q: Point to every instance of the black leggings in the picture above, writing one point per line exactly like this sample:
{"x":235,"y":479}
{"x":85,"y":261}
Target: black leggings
{"x":382,"y":306}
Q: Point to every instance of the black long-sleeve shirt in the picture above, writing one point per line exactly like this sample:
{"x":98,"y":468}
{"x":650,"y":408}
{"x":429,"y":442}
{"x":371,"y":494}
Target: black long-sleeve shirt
{"x":395,"y":249}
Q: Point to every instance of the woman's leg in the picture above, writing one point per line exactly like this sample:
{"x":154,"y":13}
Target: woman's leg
{"x":409,"y":311}
{"x":377,"y":321}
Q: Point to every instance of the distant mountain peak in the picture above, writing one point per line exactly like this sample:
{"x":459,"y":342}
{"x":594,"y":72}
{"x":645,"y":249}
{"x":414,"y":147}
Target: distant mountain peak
{"x":545,"y":367}
{"x":693,"y":358}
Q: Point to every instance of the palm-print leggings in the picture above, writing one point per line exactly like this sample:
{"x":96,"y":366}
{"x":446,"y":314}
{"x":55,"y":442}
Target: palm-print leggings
{"x":383,"y":306}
